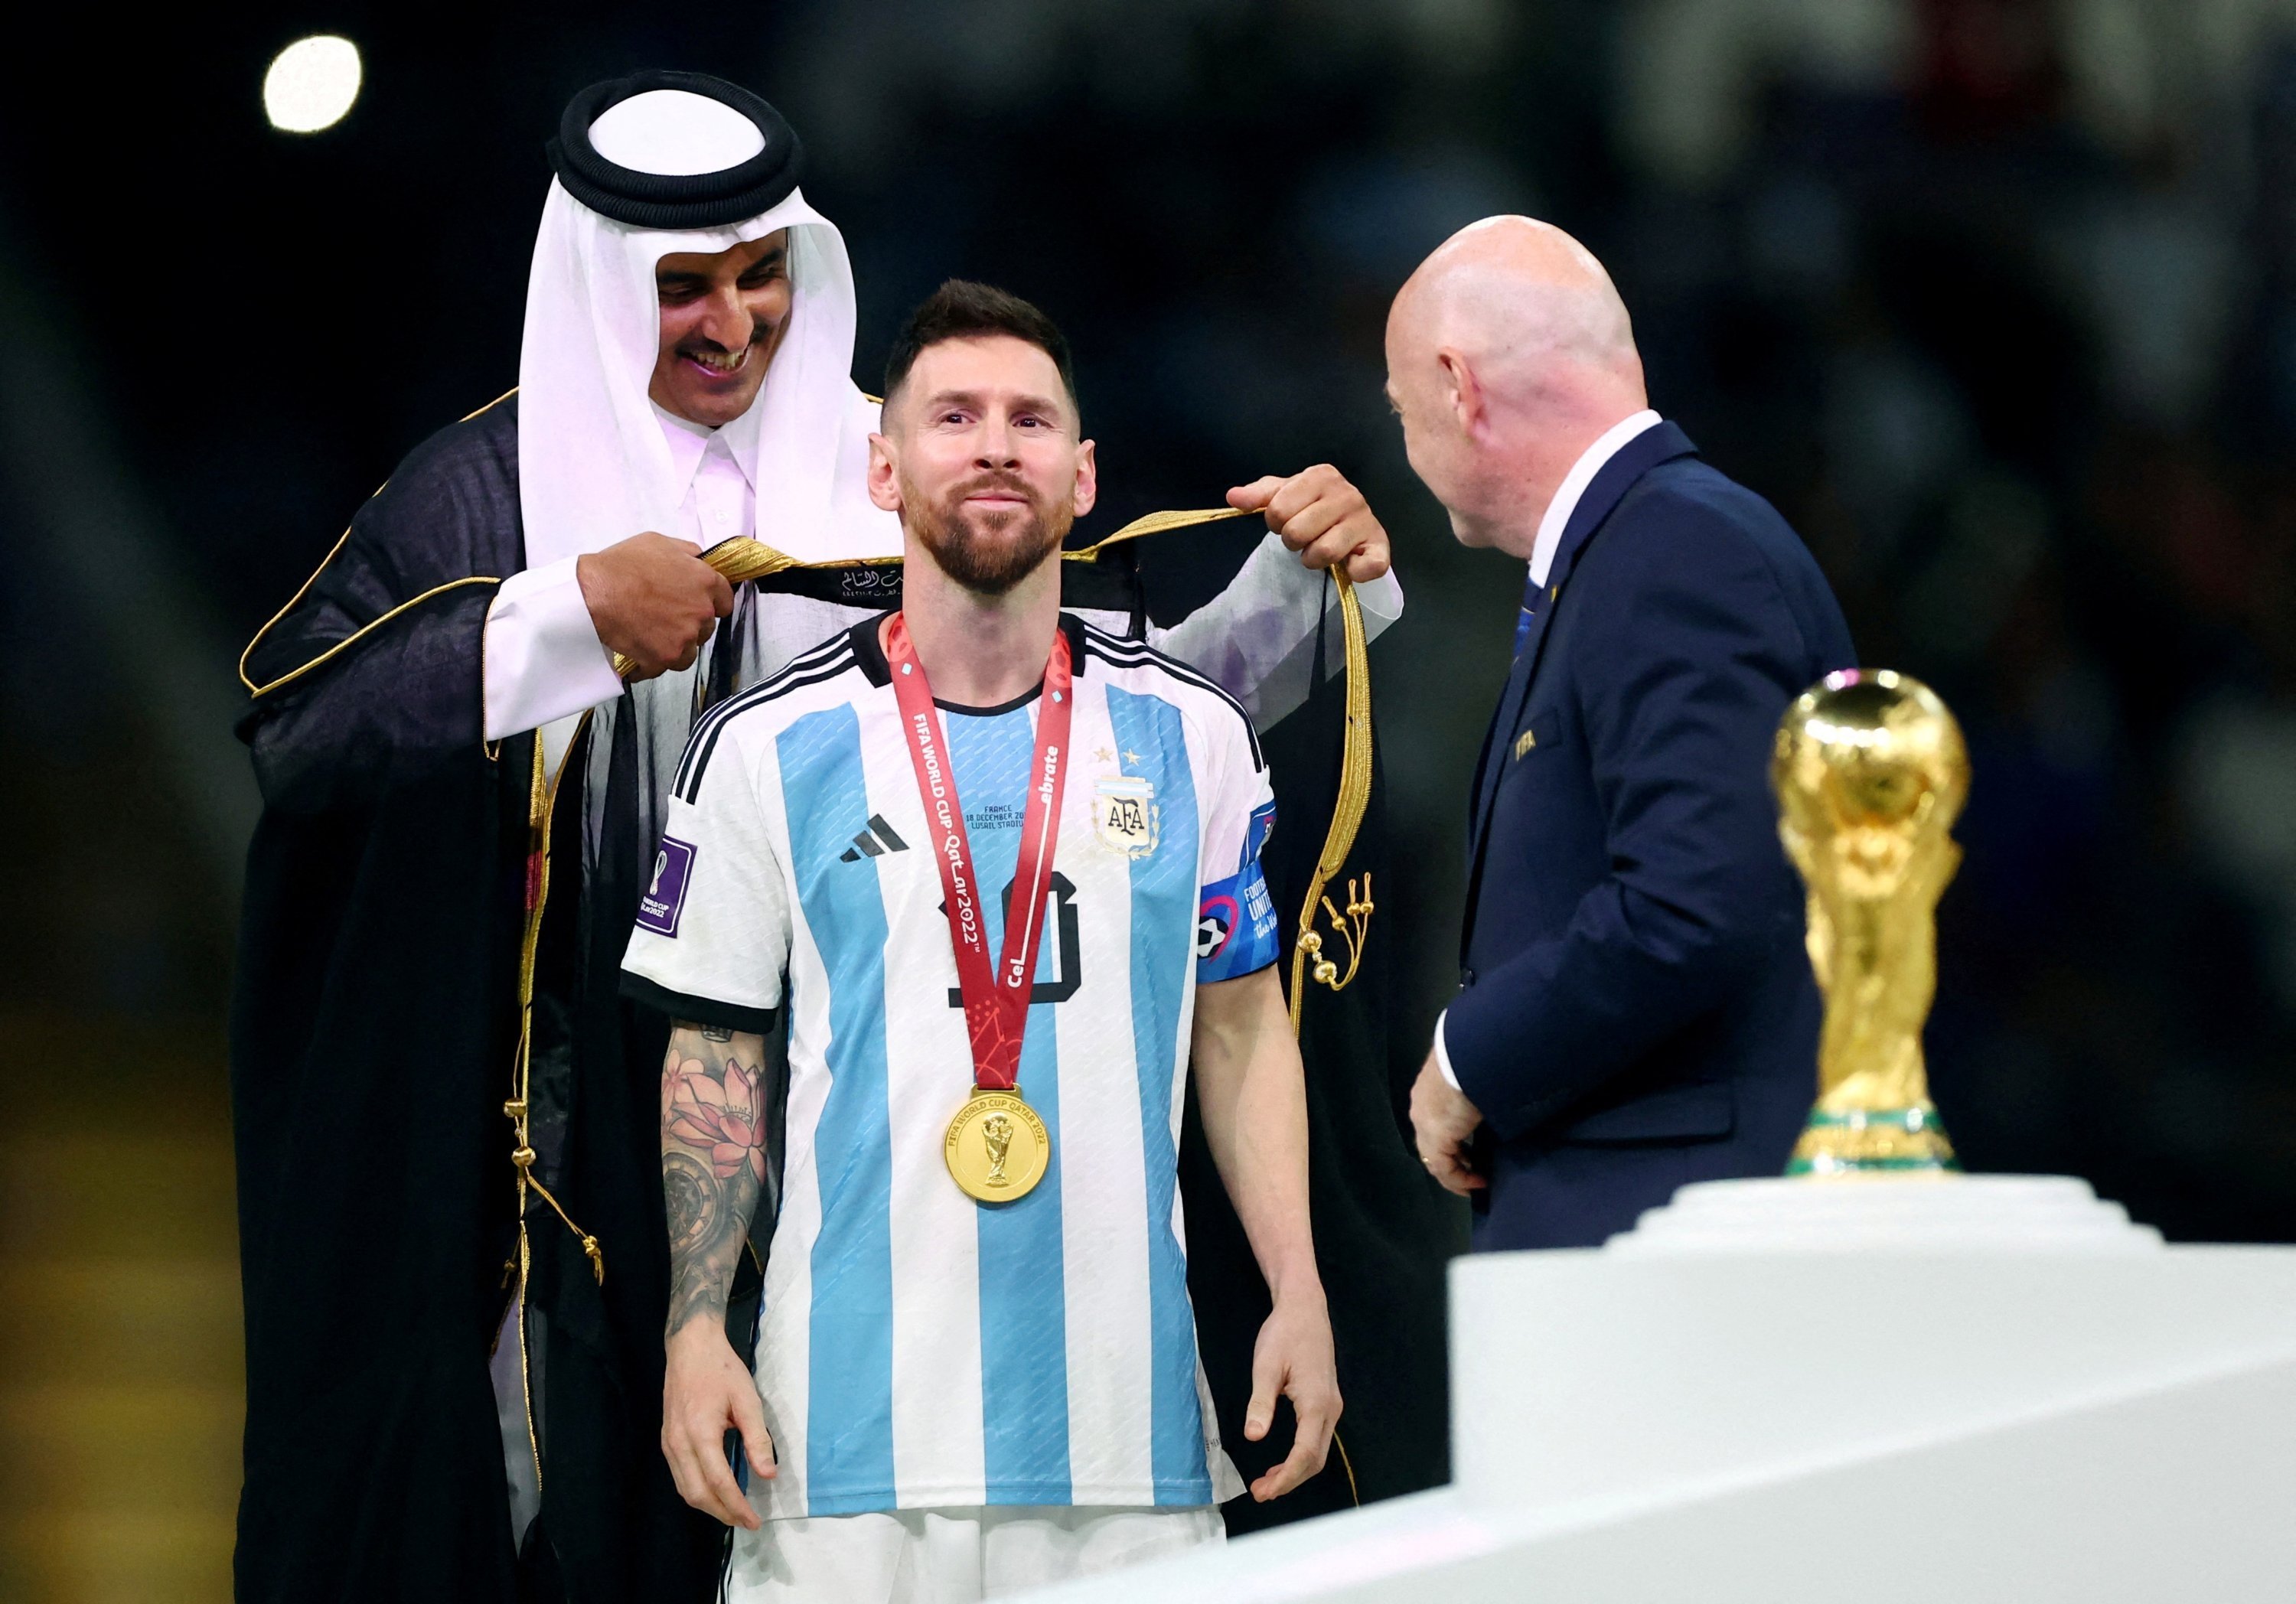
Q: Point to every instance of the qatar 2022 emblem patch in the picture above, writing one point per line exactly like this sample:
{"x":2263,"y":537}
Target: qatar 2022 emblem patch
{"x":664,"y":898}
{"x":1124,"y":815}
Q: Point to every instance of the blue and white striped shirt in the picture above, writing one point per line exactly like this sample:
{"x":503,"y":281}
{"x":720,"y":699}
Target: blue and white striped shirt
{"x":919,"y":1348}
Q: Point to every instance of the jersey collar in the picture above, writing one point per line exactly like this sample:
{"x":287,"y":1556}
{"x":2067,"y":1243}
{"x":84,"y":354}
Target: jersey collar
{"x":869,"y":652}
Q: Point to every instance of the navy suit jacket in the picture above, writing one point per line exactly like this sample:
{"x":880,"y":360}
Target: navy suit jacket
{"x":1636,"y":1009}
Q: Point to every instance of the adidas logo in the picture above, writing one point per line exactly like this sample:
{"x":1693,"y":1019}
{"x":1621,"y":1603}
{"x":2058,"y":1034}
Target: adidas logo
{"x":875,"y":841}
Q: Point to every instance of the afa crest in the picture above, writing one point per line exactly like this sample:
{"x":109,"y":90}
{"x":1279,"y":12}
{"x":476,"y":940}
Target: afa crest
{"x":1124,"y":815}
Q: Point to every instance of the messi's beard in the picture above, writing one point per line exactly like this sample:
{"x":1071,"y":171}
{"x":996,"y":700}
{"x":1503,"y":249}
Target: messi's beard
{"x":987,"y":552}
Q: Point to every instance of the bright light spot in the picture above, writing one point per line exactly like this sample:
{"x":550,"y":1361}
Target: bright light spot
{"x":311,"y":84}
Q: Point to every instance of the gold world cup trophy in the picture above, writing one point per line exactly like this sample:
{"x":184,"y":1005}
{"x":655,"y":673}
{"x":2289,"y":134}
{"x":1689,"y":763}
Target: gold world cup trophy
{"x":996,"y":1131}
{"x":1870,"y":774}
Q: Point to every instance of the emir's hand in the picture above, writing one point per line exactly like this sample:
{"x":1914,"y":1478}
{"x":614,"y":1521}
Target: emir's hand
{"x":1322,"y":517}
{"x":1293,"y":1359}
{"x":705,"y":1394}
{"x":653,"y":600}
{"x":1442,"y":1119}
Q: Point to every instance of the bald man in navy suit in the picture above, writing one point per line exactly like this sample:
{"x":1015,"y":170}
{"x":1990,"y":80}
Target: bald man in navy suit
{"x":1635,"y":1008}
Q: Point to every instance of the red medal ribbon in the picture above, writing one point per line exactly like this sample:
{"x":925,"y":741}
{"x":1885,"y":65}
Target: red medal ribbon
{"x":995,"y":1003}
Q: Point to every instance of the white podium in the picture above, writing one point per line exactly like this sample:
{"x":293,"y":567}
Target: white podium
{"x":1983,"y":1388}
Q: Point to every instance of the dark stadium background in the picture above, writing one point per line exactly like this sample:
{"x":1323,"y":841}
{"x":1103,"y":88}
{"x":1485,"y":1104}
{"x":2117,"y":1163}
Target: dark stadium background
{"x":1995,"y":298}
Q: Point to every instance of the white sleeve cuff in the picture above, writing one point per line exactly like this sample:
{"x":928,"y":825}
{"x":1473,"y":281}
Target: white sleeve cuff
{"x":1381,"y":601}
{"x":1443,"y":1055}
{"x":543,"y":657}
{"x":1256,"y":638}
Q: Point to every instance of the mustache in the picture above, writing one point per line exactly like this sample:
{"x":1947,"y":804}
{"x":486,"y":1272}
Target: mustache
{"x":760,"y":331}
{"x":1003,"y":483}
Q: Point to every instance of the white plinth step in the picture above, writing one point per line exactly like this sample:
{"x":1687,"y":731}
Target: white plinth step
{"x":1957,"y":1214}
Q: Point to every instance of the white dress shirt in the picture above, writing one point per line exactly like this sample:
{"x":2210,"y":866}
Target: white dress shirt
{"x":544,"y":664}
{"x":1551,"y":526}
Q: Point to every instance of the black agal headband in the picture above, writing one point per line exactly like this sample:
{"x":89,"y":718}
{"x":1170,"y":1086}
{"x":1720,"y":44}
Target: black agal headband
{"x":675,"y":200}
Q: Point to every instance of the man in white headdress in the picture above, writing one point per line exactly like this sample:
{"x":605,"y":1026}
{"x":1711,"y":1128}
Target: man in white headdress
{"x":452,"y":1225}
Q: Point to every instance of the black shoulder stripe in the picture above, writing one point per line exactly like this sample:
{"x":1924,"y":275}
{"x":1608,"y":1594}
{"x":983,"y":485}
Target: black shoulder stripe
{"x":703,"y":744}
{"x":1139,"y":654}
{"x":799,"y":664}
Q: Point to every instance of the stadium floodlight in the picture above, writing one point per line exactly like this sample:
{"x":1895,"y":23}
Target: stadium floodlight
{"x":311,"y":84}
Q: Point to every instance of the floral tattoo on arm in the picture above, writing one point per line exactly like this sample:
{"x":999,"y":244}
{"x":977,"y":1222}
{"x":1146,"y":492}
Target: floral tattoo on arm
{"x":713,"y":1161}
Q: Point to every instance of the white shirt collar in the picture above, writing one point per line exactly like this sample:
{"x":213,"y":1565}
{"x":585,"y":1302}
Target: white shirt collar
{"x":690,"y":444}
{"x":1574,"y":486}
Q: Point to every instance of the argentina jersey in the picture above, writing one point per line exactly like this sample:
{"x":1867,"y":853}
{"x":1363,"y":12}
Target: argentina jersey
{"x":917,"y":1349}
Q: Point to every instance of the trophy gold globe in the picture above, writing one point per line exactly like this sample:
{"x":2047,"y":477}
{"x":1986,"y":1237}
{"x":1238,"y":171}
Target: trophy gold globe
{"x":1870,"y":771}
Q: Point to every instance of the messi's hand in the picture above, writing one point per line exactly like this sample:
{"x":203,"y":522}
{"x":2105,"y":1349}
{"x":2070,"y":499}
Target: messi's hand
{"x":1321,"y":515}
{"x":707,"y":1392}
{"x":1293,"y":1359}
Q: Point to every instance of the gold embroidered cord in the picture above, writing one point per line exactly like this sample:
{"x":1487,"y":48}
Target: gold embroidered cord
{"x":525,"y":1370}
{"x":1307,"y":962}
{"x":742,"y":558}
{"x":1354,"y":1496}
{"x":590,"y":1248}
{"x":1347,"y":819}
{"x":349,"y":641}
{"x":542,"y":797}
{"x":1158,"y":523}
{"x":332,"y":552}
{"x":538,"y":807}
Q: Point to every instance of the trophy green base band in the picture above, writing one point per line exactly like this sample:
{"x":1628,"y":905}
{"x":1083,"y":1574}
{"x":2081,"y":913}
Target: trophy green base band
{"x":1874,"y":1142}
{"x":997,"y":1150}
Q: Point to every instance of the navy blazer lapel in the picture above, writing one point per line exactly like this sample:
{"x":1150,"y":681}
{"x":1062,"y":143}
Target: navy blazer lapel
{"x":1662,"y":442}
{"x":1487,"y":765}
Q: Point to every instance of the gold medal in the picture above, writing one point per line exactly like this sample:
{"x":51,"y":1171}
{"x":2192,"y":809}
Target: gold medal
{"x":998,"y":1148}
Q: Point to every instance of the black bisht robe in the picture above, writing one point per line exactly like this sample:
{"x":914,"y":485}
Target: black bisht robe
{"x":1384,"y":1229}
{"x":375,"y":1026}
{"x":373,"y":1031}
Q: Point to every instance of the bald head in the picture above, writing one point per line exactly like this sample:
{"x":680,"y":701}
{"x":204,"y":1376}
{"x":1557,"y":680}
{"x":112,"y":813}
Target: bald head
{"x":1508,"y":352}
{"x":1519,"y":298}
